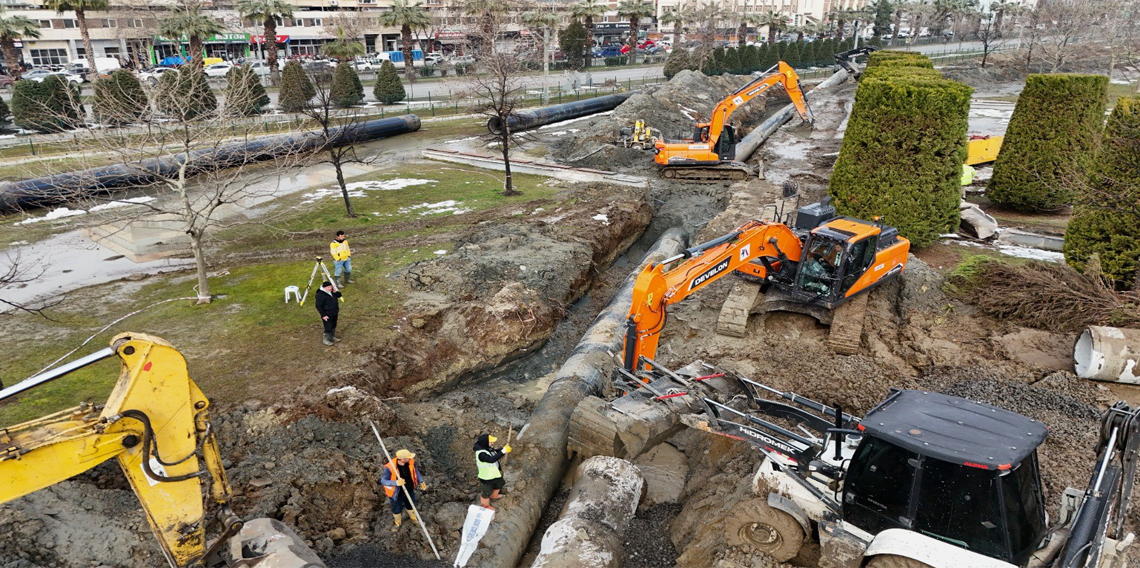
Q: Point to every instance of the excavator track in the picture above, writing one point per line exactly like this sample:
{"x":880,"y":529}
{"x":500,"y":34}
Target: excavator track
{"x":846,"y":336}
{"x":732,"y":171}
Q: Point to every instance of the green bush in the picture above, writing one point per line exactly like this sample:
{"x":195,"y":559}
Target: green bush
{"x":49,"y":106}
{"x":5,"y":114}
{"x":769,"y":55}
{"x":245,"y":96}
{"x":792,"y":54}
{"x":185,"y":94}
{"x":885,"y":55}
{"x":900,"y":64}
{"x":616,"y":61}
{"x":388,"y":87}
{"x":750,"y":59}
{"x":464,"y":68}
{"x":902,"y":155}
{"x":1107,"y":219}
{"x":1050,"y":142}
{"x":572,"y":40}
{"x":296,"y":88}
{"x":679,"y":60}
{"x":118,"y":98}
{"x":346,"y":89}
{"x":732,"y":61}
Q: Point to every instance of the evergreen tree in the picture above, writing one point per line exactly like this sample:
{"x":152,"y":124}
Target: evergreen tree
{"x":1050,"y":143}
{"x":792,"y":55}
{"x":769,"y":55}
{"x":49,"y":106}
{"x":883,"y":10}
{"x":346,"y":89}
{"x":5,"y":114}
{"x":573,"y":43}
{"x":388,"y":87}
{"x":716,"y":63}
{"x":751,"y":59}
{"x":118,"y":99}
{"x":679,"y":60}
{"x":185,"y":94}
{"x":808,"y":57}
{"x":244,"y":94}
{"x":296,"y":88}
{"x":732,"y":61}
{"x":1106,"y":221}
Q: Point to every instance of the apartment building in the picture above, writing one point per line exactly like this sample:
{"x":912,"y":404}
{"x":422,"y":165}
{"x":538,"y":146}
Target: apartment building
{"x":798,"y":12}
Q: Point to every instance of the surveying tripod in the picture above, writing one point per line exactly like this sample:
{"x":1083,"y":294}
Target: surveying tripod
{"x":320,"y":265}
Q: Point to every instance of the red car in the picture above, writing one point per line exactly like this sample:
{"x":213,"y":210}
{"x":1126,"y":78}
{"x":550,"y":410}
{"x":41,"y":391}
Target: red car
{"x":6,"y":82}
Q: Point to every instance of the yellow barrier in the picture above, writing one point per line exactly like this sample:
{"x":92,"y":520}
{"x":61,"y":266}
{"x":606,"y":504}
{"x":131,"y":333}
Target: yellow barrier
{"x":983,"y":150}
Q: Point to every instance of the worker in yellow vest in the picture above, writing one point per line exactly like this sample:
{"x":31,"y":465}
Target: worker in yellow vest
{"x":490,"y":474}
{"x":342,"y":259}
{"x":399,"y":474}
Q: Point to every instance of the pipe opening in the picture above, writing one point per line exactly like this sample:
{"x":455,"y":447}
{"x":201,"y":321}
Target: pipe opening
{"x":1083,"y":354}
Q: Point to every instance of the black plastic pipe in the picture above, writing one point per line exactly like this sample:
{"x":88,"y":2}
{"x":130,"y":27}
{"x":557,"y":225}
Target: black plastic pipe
{"x":527,"y":119}
{"x":61,"y":187}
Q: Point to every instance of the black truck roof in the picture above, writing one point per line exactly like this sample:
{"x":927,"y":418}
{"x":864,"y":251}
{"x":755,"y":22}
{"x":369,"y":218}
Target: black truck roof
{"x":955,"y":429}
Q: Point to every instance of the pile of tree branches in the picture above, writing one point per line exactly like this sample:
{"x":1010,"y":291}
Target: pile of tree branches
{"x":1043,"y":295}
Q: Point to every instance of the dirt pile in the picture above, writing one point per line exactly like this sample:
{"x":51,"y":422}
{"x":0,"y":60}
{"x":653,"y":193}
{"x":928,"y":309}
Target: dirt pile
{"x":502,"y":290}
{"x":671,"y":108}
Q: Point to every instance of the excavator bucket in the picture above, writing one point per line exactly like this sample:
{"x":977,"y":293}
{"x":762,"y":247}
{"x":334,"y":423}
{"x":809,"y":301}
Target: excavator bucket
{"x":268,"y":543}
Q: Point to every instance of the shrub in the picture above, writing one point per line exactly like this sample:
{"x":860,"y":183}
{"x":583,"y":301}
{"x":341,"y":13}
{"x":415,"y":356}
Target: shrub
{"x":882,"y":56}
{"x":679,"y":60}
{"x":572,"y":40}
{"x":807,"y":54}
{"x":49,"y":106}
{"x":464,"y":68}
{"x":427,"y":71}
{"x":118,"y":99}
{"x":750,"y":59}
{"x":185,"y":94}
{"x":346,"y":89}
{"x":245,"y":96}
{"x":792,"y":54}
{"x":296,"y":88}
{"x":902,"y":155}
{"x":900,"y":64}
{"x":388,"y":87}
{"x":769,"y":55}
{"x":732,"y":61}
{"x":1107,"y":219}
{"x":615,"y":61}
{"x":5,"y":114}
{"x":1050,"y":142}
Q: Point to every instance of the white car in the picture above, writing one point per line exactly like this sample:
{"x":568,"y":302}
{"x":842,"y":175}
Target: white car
{"x":463,"y":60}
{"x":368,"y":64}
{"x":433,"y":59}
{"x":152,"y":75}
{"x":261,"y":68}
{"x":38,"y":76}
{"x":218,"y":69}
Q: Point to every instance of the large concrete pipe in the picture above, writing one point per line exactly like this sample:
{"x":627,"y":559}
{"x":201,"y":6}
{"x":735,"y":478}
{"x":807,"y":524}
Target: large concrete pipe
{"x":589,"y":532}
{"x":750,"y":143}
{"x":61,"y":187}
{"x":1108,"y":354}
{"x":527,"y":119}
{"x":540,"y":454}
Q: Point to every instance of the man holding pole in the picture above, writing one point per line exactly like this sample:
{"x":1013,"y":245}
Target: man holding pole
{"x":401,"y":478}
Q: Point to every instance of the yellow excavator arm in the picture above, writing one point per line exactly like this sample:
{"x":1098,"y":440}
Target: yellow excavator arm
{"x":784,"y":76}
{"x":156,"y":425}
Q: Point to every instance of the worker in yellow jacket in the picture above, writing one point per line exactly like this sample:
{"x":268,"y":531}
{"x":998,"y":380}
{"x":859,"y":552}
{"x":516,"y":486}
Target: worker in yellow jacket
{"x":342,"y":259}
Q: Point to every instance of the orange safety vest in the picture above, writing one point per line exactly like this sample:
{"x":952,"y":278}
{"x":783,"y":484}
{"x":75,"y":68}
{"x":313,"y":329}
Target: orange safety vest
{"x":391,"y":491}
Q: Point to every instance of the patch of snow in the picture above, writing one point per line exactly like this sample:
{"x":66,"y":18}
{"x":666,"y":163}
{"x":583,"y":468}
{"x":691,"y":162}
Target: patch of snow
{"x":17,"y":243}
{"x":449,"y":206}
{"x":458,"y":140}
{"x":121,"y":203}
{"x":357,"y":188}
{"x":602,"y":217}
{"x":441,"y":252}
{"x":1031,"y":253}
{"x":349,"y":388}
{"x":58,"y":213}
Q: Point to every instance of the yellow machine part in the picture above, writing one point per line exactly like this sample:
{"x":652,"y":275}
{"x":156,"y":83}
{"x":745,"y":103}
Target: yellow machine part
{"x":983,"y":150}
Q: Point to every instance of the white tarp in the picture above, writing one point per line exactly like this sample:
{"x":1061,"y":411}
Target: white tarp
{"x":478,"y":519}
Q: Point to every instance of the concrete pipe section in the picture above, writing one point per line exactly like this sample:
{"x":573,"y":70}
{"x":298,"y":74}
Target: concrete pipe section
{"x":62,"y":187}
{"x":527,"y":119}
{"x":540,"y":452}
{"x":750,"y":143}
{"x":589,"y":532}
{"x":1108,"y":354}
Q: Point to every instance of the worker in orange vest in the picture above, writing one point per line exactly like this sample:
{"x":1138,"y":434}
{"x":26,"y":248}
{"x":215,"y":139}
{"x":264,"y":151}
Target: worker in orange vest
{"x":398,"y":474}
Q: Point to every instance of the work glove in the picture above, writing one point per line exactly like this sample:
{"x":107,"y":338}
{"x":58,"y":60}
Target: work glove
{"x":400,"y":482}
{"x":423,"y":487}
{"x":506,"y":449}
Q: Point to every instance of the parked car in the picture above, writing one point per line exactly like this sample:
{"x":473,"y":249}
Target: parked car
{"x":38,"y":76}
{"x":104,"y":65}
{"x":152,"y":75}
{"x":6,"y":82}
{"x":611,"y":51}
{"x":462,"y":60}
{"x":261,"y":68}
{"x":218,"y":69}
{"x":433,"y":59}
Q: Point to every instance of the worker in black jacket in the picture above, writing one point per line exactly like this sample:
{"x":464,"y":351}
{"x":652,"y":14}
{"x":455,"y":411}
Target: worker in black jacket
{"x":487,"y":463}
{"x":328,"y":306}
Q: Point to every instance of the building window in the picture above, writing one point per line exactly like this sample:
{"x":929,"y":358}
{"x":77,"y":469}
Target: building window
{"x":70,"y":24}
{"x":110,"y":52}
{"x":45,"y":24}
{"x":110,"y":23}
{"x":49,"y":57}
{"x":135,"y":23}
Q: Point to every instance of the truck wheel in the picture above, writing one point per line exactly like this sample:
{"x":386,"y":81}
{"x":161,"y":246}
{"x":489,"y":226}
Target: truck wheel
{"x":754,"y":523}
{"x":892,"y":561}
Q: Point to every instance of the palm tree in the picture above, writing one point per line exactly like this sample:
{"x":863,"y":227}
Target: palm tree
{"x":407,"y":17}
{"x":486,"y":11}
{"x":80,"y":7}
{"x":586,"y":10}
{"x":840,"y":16}
{"x":267,"y":12}
{"x":677,"y":19}
{"x":12,"y":29}
{"x":746,"y":19}
{"x":545,"y":19}
{"x":634,"y":10}
{"x":775,"y":22}
{"x":344,"y":48}
{"x":187,"y":20}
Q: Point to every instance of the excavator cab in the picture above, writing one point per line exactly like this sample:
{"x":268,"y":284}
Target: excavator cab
{"x":726,"y":144}
{"x":836,"y":258}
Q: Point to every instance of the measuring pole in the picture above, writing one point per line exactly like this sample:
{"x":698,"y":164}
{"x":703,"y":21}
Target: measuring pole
{"x":405,"y":488}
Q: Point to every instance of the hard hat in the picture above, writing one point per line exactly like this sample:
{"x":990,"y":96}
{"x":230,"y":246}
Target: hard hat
{"x":491,"y":439}
{"x":404,"y":455}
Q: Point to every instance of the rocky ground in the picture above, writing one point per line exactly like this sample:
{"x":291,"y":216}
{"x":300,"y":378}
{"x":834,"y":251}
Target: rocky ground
{"x":484,"y":325}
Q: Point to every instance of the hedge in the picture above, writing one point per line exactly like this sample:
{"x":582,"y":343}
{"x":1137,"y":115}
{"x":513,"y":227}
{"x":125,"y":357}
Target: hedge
{"x":118,"y":99}
{"x":732,"y":61}
{"x":346,"y":88}
{"x":185,"y":94}
{"x":1050,"y":142}
{"x":750,"y":59}
{"x":902,"y":155}
{"x":296,"y":88}
{"x":1107,"y":220}
{"x":245,"y":96}
{"x":49,"y":106}
{"x":884,"y":56}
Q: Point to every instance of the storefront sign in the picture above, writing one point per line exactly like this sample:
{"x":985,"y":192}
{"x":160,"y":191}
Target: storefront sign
{"x":261,"y":39}
{"x":450,"y":35}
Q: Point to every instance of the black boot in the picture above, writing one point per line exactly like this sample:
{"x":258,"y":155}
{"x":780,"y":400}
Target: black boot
{"x":328,"y":339}
{"x":348,"y":278}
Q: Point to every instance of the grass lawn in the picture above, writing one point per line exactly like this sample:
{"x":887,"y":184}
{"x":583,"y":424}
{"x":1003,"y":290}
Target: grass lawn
{"x":248,"y":343}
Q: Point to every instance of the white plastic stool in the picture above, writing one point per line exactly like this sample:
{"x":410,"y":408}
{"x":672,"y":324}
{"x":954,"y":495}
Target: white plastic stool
{"x":295,"y":291}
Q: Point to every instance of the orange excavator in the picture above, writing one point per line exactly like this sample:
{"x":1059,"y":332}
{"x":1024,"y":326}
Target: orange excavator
{"x":822,"y":261}
{"x":711,"y":154}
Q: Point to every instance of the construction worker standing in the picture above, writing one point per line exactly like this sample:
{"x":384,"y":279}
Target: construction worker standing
{"x":399,"y":474}
{"x":342,"y":259}
{"x":490,"y":475}
{"x":329,"y":308}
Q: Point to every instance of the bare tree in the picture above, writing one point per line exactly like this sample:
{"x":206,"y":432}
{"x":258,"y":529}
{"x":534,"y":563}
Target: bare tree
{"x":498,"y":86}
{"x":15,"y":272}
{"x":1064,"y":21}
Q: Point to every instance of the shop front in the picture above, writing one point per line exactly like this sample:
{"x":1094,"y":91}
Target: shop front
{"x":228,"y":46}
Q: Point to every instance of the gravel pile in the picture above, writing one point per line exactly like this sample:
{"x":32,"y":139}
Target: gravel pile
{"x":647,"y":542}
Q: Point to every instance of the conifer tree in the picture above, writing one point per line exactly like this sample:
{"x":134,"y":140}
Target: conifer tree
{"x":296,"y":88}
{"x":388,"y":87}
